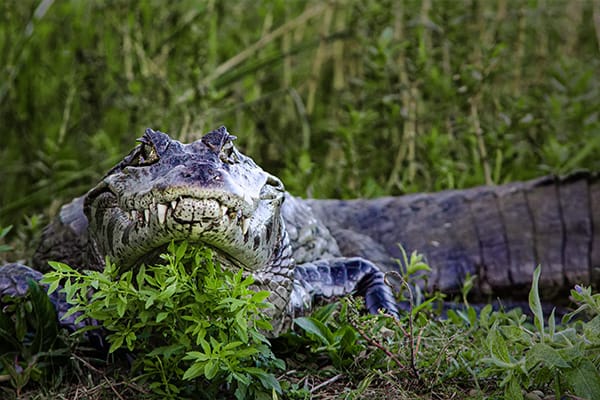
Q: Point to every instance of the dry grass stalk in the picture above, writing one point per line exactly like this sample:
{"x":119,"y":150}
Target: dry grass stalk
{"x":242,"y":56}
{"x":319,"y":59}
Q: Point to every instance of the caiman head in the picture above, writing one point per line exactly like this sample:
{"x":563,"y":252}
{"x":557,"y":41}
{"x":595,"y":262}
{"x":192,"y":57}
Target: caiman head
{"x":206,"y":192}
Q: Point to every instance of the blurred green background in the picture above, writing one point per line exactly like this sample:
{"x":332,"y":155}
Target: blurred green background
{"x":340,"y":98}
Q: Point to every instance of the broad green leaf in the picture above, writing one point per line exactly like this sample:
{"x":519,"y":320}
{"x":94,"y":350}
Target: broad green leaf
{"x":167,"y":351}
{"x":53,"y":283}
{"x":169,"y":291}
{"x":497,"y":345}
{"x":585,"y":380}
{"x":4,"y":231}
{"x":324,"y":313}
{"x":247,"y":352}
{"x":514,"y":333}
{"x":194,"y":371}
{"x":240,"y":378}
{"x":484,"y":316}
{"x":211,"y":368}
{"x":44,"y":316}
{"x":535,"y":303}
{"x":180,"y":250}
{"x":541,"y":352}
{"x":140,"y":276}
{"x":116,"y":341}
{"x":348,"y":338}
{"x":260,"y":296}
{"x":591,"y":329}
{"x":161,"y":316}
{"x":552,"y":324}
{"x":121,"y":306}
{"x":232,"y":345}
{"x":512,"y":390}
{"x":205,"y":346}
{"x":265,"y":325}
{"x":315,"y":327}
{"x":130,"y":340}
{"x":150,"y":300}
{"x":268,"y":380}
{"x":196,"y":356}
{"x":214,"y":344}
{"x":61,"y":267}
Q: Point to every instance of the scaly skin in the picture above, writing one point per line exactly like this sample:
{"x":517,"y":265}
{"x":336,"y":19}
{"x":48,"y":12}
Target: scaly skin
{"x":499,"y":233}
{"x":207,"y":192}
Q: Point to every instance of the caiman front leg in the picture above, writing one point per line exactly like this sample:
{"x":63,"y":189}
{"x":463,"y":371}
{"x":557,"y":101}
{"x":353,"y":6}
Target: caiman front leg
{"x":14,"y":282}
{"x":325,"y":279}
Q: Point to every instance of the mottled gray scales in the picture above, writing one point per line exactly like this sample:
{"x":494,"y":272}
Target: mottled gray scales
{"x":576,"y":217}
{"x":489,"y":231}
{"x":518,"y":224}
{"x":494,"y":274}
{"x":545,"y":209}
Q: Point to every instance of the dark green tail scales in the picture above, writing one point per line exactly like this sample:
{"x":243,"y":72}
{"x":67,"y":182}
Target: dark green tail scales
{"x":499,"y":233}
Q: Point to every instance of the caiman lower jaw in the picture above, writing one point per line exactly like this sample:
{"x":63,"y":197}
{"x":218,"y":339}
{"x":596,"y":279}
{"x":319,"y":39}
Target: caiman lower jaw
{"x":130,"y":237}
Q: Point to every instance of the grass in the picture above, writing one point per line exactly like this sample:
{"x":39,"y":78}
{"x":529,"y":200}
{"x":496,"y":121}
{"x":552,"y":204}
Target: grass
{"x":346,"y":99}
{"x":343,"y":99}
{"x":162,"y":345}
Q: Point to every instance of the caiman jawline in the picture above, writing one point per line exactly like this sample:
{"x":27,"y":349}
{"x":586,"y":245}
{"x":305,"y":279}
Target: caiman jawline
{"x":182,"y":211}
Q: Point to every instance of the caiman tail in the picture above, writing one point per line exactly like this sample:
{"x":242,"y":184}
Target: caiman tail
{"x":499,"y":233}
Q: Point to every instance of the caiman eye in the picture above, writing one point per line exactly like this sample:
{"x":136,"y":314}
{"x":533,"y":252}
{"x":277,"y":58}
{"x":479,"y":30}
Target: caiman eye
{"x":220,"y":142}
{"x":228,"y":153}
{"x":146,"y":154}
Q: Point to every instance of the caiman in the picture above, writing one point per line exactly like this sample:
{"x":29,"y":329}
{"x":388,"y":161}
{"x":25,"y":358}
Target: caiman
{"x":302,"y":250}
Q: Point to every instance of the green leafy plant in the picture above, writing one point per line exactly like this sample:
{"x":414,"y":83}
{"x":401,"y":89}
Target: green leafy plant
{"x":32,"y":344}
{"x":189,"y":322}
{"x":334,"y":336}
{"x":561,"y":357}
{"x":502,"y":353}
{"x":3,"y":232}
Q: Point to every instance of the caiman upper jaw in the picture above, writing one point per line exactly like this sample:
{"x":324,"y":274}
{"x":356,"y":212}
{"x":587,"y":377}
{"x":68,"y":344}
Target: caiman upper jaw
{"x":205,"y":191}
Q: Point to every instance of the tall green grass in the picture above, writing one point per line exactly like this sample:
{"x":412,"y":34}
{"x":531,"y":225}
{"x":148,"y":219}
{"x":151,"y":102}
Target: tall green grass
{"x":343,"y":98}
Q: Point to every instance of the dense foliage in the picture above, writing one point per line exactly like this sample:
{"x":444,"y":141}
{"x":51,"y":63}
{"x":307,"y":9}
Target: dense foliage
{"x":342,"y":98}
{"x":184,"y":319}
{"x":190,"y":330}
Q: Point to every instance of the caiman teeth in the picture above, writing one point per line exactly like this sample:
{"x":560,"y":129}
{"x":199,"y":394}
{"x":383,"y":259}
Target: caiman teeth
{"x":161,"y":209}
{"x":245,"y":225}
